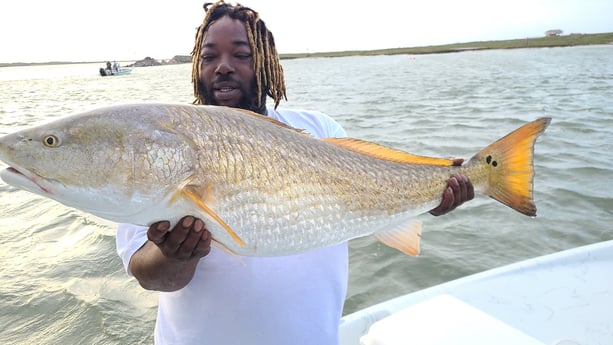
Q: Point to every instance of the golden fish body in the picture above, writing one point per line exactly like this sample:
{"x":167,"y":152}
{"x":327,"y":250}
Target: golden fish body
{"x":263,"y":188}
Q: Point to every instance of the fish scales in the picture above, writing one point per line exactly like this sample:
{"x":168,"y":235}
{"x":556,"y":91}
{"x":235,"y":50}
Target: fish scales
{"x":313,"y":189}
{"x":285,"y":186}
{"x":262,"y":187}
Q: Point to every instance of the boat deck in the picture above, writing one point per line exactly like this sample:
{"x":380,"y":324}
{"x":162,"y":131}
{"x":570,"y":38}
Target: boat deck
{"x":561,"y":296}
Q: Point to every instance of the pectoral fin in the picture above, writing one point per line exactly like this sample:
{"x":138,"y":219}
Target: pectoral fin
{"x":196,"y":199}
{"x":405,"y":238}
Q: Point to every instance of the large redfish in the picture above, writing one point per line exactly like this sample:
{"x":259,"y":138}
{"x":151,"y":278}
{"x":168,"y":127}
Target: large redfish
{"x":262,"y":188}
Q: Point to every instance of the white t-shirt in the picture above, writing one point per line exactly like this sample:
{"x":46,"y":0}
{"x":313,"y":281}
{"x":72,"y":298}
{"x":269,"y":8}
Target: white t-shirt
{"x":295,"y":299}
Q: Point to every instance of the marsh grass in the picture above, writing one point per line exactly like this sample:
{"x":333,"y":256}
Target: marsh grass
{"x":534,"y":42}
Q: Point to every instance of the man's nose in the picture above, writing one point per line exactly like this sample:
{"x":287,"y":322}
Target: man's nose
{"x":224,"y":67}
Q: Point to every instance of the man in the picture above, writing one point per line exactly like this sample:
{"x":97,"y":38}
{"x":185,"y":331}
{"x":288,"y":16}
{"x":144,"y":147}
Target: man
{"x":208,"y":296}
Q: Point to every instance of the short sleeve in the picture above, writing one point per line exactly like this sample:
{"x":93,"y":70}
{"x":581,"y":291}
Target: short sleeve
{"x":129,"y":239}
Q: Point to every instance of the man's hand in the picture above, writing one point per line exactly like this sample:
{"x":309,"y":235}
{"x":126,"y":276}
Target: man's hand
{"x":459,"y":189}
{"x":167,"y":261}
{"x":188,"y":239}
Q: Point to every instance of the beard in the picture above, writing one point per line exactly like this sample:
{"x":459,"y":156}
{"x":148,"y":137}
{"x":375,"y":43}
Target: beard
{"x":248,"y":100}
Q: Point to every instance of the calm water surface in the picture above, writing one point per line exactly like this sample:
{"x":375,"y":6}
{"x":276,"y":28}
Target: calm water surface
{"x":62,"y":283}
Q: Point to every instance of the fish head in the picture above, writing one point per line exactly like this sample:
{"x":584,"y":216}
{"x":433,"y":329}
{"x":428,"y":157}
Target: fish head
{"x":112,"y":162}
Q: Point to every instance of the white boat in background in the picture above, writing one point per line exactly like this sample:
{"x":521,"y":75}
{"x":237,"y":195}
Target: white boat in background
{"x":110,"y":73}
{"x":563,"y":298}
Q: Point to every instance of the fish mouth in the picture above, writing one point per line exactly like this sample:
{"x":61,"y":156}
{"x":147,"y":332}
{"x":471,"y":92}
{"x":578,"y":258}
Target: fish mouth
{"x":27,"y":181}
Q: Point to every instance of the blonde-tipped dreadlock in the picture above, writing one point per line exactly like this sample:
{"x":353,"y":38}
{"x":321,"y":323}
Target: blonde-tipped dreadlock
{"x":268,"y":71}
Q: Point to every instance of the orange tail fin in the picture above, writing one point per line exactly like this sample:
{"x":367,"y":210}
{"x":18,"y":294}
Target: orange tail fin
{"x":509,"y":164}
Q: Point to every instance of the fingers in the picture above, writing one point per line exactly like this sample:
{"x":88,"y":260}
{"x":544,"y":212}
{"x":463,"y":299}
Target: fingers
{"x":188,"y":239}
{"x":203,"y":247}
{"x":446,"y":203}
{"x":457,"y":161}
{"x":197,"y":241}
{"x":462,"y":190}
{"x":178,"y":235}
{"x":459,"y":189}
{"x":157,"y":232}
{"x":470,"y":189}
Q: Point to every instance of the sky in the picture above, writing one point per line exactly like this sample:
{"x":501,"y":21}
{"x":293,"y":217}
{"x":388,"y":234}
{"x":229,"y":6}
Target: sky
{"x":128,"y":30}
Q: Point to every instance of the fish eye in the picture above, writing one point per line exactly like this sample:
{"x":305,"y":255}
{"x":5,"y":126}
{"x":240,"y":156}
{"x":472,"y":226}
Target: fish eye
{"x":51,"y":141}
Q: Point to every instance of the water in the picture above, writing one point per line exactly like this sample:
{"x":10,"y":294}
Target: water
{"x":62,"y":283}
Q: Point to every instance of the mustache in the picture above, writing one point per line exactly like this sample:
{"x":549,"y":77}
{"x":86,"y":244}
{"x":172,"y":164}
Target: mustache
{"x":224,"y":78}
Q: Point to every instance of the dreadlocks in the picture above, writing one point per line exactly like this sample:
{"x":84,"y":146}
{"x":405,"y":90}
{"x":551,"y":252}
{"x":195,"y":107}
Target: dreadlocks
{"x":268,"y":71}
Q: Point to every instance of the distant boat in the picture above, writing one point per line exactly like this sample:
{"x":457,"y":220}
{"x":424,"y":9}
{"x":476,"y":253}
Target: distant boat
{"x":111,"y":73}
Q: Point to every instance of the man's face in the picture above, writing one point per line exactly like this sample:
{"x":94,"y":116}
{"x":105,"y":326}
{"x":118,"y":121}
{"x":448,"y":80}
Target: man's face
{"x":226,"y":65}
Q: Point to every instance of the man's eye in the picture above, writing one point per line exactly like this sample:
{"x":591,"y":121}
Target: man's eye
{"x":207,"y":58}
{"x":243,"y":56}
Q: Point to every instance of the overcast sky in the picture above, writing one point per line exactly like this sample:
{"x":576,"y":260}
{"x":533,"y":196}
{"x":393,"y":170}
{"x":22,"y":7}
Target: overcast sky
{"x":83,"y":30}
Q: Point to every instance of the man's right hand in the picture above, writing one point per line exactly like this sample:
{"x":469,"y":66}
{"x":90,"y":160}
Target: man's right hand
{"x":187,"y":240}
{"x":168,"y":261}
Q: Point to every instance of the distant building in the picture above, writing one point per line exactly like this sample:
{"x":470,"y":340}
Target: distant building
{"x":555,"y":32}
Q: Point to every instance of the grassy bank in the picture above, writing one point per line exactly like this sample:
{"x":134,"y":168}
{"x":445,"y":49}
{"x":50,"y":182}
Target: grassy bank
{"x":555,"y":41}
{"x":536,"y":42}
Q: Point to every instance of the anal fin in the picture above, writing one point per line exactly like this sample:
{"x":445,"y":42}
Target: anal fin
{"x":405,"y":238}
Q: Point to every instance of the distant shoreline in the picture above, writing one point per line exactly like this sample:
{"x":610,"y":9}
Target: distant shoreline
{"x":534,"y":42}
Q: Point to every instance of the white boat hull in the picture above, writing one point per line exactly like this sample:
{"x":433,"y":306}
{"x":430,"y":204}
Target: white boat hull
{"x":561,"y":296}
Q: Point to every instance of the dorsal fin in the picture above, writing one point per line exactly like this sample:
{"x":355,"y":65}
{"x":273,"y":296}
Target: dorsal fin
{"x":385,"y":153}
{"x":366,"y":147}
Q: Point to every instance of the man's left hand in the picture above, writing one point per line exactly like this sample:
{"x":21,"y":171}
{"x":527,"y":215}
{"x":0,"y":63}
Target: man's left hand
{"x":459,"y":189}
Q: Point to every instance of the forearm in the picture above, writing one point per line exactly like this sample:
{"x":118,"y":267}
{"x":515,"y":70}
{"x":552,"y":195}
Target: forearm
{"x":154,"y":271}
